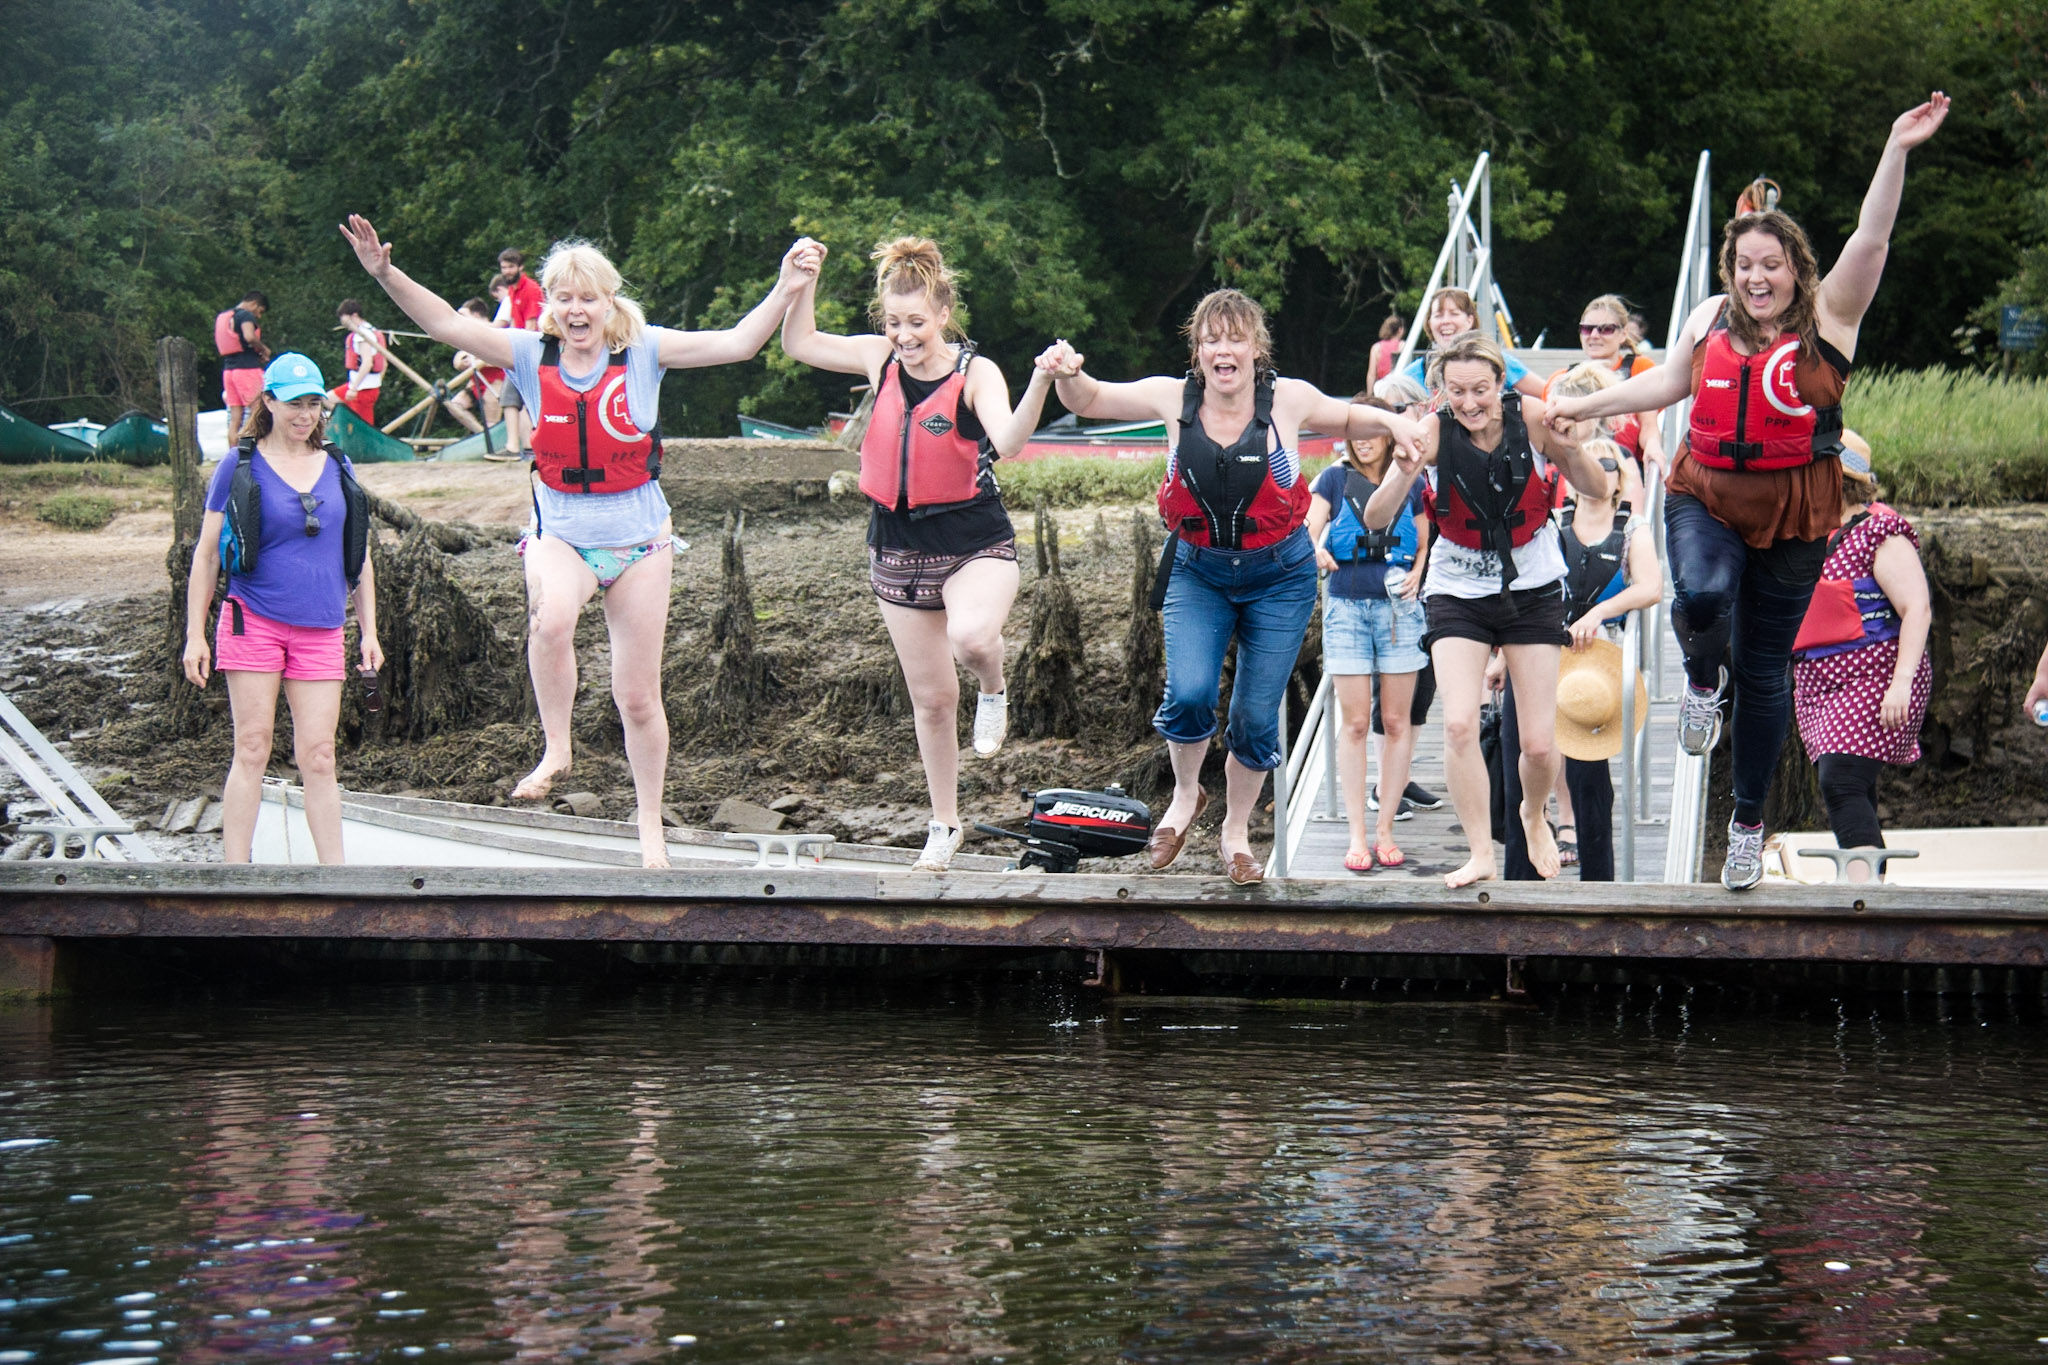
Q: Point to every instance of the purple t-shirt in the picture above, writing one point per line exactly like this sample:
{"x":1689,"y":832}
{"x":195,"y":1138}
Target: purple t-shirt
{"x":298,"y":578}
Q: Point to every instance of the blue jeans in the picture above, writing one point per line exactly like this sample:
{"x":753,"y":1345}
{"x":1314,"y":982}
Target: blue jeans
{"x":1263,"y":597}
{"x":1724,"y":591}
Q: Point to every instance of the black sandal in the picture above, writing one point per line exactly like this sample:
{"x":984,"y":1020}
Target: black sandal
{"x":1567,"y":849}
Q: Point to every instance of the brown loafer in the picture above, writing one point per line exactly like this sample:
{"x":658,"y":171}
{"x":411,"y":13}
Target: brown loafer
{"x":1244,"y":870}
{"x":1164,"y":845}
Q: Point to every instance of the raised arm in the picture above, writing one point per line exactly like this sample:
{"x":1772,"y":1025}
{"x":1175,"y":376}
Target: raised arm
{"x":1846,"y":293}
{"x":989,"y":397}
{"x":423,"y":305}
{"x":1086,"y":396}
{"x":744,"y":339}
{"x":802,"y":341}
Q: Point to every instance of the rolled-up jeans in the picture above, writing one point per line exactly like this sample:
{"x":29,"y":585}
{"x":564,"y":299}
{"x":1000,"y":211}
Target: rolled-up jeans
{"x":1724,"y":591}
{"x":1264,"y":599}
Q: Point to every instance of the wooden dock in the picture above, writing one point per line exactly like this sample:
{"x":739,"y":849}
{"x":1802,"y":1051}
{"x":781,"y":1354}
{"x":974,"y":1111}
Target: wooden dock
{"x":45,"y":906}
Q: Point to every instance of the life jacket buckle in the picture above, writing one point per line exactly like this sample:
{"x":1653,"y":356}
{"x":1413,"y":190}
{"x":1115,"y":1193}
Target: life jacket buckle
{"x":1741,"y":452}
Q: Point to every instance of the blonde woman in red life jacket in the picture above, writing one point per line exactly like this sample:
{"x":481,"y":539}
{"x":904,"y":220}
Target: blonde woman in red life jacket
{"x":1756,"y":488}
{"x":1238,"y":562}
{"x":600,"y":520}
{"x":1496,"y":578}
{"x":942,"y":557}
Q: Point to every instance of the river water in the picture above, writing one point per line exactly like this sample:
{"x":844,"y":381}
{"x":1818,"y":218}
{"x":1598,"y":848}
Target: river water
{"x":972,"y":1173}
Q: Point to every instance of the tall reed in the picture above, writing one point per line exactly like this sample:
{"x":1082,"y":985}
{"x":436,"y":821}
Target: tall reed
{"x":1949,"y":438}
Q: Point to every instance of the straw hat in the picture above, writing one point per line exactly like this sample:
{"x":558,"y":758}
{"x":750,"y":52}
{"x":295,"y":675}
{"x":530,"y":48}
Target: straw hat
{"x":1589,"y":702}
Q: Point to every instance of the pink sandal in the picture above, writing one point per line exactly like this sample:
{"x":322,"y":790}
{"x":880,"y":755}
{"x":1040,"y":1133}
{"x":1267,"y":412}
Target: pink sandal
{"x":1389,"y":855}
{"x":1358,"y":862}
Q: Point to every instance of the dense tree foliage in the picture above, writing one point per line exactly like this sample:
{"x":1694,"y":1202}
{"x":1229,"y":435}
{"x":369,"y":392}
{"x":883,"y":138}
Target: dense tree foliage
{"x":1091,"y":165}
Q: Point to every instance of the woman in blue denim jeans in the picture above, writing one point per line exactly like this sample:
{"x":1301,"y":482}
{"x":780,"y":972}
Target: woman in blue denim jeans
{"x":1373,"y":623}
{"x":1756,"y":488}
{"x":1239,"y":564}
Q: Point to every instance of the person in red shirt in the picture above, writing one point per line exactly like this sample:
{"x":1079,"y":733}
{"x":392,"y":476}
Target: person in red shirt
{"x":362,"y":352}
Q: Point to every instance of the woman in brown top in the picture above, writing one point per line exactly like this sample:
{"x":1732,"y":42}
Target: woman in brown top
{"x":1756,"y":487}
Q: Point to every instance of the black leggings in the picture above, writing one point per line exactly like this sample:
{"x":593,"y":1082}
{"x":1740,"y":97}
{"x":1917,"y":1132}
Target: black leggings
{"x":1591,"y":785}
{"x":1848,"y":783}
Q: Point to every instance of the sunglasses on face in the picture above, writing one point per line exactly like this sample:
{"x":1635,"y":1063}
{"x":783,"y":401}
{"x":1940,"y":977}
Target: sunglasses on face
{"x":1598,"y":329}
{"x":309,"y":502}
{"x":1611,"y":466}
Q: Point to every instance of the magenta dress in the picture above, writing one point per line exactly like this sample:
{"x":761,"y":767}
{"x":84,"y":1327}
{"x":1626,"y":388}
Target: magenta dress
{"x":1837,"y":698}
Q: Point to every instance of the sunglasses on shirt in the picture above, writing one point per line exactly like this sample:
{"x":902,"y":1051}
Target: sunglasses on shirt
{"x":309,"y":502}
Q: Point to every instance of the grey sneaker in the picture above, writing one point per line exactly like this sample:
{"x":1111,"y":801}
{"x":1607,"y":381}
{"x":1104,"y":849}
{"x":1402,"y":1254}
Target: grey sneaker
{"x":1699,"y":717}
{"x":1745,"y":865}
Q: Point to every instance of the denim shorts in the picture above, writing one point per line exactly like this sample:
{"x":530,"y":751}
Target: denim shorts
{"x":1373,"y":635}
{"x":1263,"y":600}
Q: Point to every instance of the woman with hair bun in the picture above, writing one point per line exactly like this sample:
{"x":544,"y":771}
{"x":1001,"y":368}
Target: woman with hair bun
{"x":1495,"y":580}
{"x":1239,"y":562}
{"x":600,"y":521}
{"x":942,"y":556}
{"x":1757,"y":487}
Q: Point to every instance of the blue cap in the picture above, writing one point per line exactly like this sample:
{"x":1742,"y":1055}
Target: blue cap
{"x":291,"y":376}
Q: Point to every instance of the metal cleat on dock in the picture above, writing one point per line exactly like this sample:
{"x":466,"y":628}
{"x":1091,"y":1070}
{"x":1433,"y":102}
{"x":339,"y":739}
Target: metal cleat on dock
{"x":794,"y":845}
{"x":1872,"y":859}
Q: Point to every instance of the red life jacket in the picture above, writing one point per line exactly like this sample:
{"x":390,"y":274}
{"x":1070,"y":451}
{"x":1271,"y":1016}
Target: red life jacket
{"x":351,"y":356}
{"x":586,"y":442}
{"x":1846,"y":613}
{"x":1225,"y":497}
{"x":226,"y":339}
{"x":1747,"y":413}
{"x":919,"y":451}
{"x":1490,"y":500}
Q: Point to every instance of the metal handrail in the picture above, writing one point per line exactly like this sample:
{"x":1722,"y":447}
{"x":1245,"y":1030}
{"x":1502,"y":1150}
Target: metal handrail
{"x":1480,"y":184}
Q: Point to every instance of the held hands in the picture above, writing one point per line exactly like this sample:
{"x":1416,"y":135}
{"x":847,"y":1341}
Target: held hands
{"x":800,"y":264}
{"x":375,"y":256}
{"x":1564,"y":408}
{"x":1060,"y":360}
{"x":1408,"y":435}
{"x":1917,"y":124}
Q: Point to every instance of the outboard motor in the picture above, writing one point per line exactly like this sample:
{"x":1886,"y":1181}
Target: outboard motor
{"x":1068,"y":825}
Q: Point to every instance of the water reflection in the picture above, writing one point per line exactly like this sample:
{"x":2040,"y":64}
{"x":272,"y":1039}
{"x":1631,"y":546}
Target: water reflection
{"x":489,"y":1174}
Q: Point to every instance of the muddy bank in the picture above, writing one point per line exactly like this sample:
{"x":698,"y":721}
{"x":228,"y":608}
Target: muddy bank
{"x":791,"y":696}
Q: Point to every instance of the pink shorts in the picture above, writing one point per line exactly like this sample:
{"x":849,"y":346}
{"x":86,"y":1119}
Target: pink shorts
{"x":239,"y":388}
{"x":267,"y":646}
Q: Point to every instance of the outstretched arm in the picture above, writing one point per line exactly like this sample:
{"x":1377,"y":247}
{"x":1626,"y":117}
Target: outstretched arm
{"x":1086,"y":396}
{"x":1657,"y":387}
{"x":744,"y":340}
{"x":423,"y":305}
{"x":802,"y":341}
{"x":1846,"y":293}
{"x":1352,"y":421}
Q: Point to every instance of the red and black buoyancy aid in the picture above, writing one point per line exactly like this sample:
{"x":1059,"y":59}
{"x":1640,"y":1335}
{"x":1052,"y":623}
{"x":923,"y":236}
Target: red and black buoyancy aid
{"x":916,"y":455}
{"x":586,"y":442}
{"x":1225,"y":498}
{"x":1490,"y":500}
{"x":1747,"y":413}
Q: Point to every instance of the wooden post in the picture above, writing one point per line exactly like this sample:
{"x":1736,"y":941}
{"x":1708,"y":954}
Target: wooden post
{"x":177,"y":377}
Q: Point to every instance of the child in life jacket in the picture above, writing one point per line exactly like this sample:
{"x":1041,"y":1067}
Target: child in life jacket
{"x":1373,"y":623}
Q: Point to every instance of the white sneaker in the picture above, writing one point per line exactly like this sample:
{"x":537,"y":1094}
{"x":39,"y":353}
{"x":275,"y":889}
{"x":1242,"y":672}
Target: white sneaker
{"x":991,"y":721}
{"x":940,"y":844}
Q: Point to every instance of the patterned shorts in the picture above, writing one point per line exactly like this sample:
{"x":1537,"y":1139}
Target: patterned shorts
{"x":910,"y":578}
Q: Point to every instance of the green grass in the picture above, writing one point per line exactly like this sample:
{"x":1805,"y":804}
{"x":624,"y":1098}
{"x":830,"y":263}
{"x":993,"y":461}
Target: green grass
{"x":31,"y":478}
{"x":1944,"y":438}
{"x":77,"y":511}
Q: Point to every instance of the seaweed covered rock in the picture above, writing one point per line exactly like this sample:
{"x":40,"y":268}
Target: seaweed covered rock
{"x":447,"y":665}
{"x":1044,"y":700}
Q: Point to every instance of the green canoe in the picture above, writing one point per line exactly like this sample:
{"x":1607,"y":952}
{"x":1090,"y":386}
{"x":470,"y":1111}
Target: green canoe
{"x":136,"y":438}
{"x":363,"y":443}
{"x":26,"y":442}
{"x":473,"y":446}
{"x":756,"y":429}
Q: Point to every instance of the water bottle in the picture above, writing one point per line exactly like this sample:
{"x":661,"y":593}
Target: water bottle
{"x":2040,"y":713}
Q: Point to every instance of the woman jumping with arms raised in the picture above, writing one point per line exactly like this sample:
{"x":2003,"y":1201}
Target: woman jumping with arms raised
{"x":1757,"y":487}
{"x":600,"y":522}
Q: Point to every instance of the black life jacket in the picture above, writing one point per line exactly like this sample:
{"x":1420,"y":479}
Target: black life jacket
{"x":241,"y":527}
{"x":1590,"y":571}
{"x":1225,"y":497}
{"x":1490,"y":500}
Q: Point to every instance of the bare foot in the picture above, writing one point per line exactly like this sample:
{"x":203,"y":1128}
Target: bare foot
{"x":1542,"y":845}
{"x":1478,"y":870}
{"x":653,"y":844}
{"x":537,"y":784}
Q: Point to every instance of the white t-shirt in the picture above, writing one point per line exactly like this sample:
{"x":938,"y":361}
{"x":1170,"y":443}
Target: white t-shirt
{"x":1456,"y":571}
{"x":367,"y":378}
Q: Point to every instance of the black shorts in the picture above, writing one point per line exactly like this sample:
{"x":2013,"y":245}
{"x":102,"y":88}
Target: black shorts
{"x":1530,"y":616}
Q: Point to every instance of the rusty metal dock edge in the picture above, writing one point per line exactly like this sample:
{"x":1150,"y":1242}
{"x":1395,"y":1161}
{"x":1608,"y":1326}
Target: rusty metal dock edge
{"x":1025,"y":912}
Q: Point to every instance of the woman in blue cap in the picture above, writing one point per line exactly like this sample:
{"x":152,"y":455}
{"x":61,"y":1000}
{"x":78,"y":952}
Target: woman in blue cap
{"x":287,"y":522}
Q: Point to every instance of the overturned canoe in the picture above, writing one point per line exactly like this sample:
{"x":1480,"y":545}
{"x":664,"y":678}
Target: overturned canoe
{"x":363,"y":443}
{"x":26,"y":442}
{"x":136,"y":438}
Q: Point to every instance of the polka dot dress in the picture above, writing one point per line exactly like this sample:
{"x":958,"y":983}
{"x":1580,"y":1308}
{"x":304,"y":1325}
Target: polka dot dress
{"x":1837,"y":699}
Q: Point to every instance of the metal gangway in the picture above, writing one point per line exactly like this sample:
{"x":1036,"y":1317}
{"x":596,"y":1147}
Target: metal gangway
{"x":81,"y":825}
{"x":1654,"y":841}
